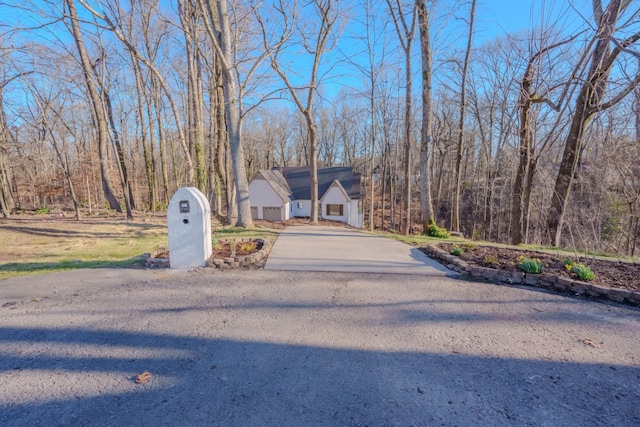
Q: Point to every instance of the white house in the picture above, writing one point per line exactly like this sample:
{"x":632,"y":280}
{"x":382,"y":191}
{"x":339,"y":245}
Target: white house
{"x":283,"y":193}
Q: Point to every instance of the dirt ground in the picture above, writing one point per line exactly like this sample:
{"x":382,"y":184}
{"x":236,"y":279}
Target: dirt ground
{"x":612,"y":273}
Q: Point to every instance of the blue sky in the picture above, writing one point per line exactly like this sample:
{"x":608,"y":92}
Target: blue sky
{"x":498,"y":17}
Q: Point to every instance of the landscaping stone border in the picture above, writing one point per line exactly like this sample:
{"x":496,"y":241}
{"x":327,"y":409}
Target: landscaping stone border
{"x":545,"y":281}
{"x":152,"y":261}
{"x":256,"y":259}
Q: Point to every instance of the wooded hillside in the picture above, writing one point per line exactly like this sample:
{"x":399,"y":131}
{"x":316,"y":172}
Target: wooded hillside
{"x":532,"y":137}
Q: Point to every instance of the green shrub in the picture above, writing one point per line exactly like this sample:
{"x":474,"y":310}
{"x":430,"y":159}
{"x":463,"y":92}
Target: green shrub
{"x":583,"y":272}
{"x":530,"y":265}
{"x":42,"y":211}
{"x":469,"y":246}
{"x":456,"y":250}
{"x":438,"y":232}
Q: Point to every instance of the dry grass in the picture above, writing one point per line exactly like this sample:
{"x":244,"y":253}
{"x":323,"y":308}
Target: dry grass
{"x":41,"y":243}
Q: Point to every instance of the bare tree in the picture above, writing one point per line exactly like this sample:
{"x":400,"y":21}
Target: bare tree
{"x":591,"y":100}
{"x":99,"y":67}
{"x":44,"y":102}
{"x":115,"y":26}
{"x":219,"y":19}
{"x":190,"y":22}
{"x":7,"y":203}
{"x":314,"y":44}
{"x":529,"y":95}
{"x":406,"y":32}
{"x":455,"y":211}
{"x":427,"y":108}
{"x":6,"y":195}
{"x":96,"y":106}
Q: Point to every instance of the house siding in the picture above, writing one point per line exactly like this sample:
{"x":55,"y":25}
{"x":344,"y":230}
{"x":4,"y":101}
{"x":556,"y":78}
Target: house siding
{"x":305,"y":210}
{"x":262,"y":194}
{"x":335,"y":196}
{"x":356,"y":217}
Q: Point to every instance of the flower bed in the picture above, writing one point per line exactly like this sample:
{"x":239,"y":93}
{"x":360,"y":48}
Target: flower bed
{"x":222,"y":256}
{"x":501,"y":273}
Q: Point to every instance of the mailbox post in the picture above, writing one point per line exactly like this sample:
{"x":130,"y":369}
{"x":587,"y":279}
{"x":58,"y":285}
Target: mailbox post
{"x":189,"y":225}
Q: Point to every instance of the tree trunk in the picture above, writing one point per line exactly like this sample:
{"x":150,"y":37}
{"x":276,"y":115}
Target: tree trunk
{"x":525,"y":155}
{"x":224,"y":177}
{"x":7,"y":203}
{"x":122,"y":161}
{"x":313,"y":164}
{"x":455,"y":212}
{"x":427,"y":112}
{"x":220,"y":18}
{"x":195,"y":117}
{"x":96,"y":106}
{"x":64,"y":164}
{"x":149,"y":166}
{"x":162,"y":142}
{"x":405,"y":36}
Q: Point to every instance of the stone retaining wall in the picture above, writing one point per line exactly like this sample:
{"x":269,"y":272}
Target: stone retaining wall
{"x":254,"y":260}
{"x":562,"y":284}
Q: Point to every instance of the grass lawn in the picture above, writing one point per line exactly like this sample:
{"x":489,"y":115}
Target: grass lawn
{"x":45,"y":243}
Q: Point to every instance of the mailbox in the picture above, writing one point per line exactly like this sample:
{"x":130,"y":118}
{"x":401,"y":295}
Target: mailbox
{"x":189,"y":225}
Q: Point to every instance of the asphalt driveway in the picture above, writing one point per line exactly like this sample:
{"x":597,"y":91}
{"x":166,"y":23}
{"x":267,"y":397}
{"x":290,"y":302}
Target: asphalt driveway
{"x":338,"y":249}
{"x":297,"y":348}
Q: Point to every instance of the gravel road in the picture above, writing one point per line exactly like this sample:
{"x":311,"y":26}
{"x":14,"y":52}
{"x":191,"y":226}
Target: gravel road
{"x":272,"y":348}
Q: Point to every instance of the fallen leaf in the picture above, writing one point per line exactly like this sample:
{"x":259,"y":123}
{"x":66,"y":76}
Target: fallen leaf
{"x":143,"y":377}
{"x":590,"y":342}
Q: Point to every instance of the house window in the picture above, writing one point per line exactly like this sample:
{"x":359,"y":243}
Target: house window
{"x":299,"y":205}
{"x":335,"y":210}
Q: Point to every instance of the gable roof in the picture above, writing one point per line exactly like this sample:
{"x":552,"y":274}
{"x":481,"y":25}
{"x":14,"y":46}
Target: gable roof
{"x":299,"y":181}
{"x":278,"y":183}
{"x":335,"y":184}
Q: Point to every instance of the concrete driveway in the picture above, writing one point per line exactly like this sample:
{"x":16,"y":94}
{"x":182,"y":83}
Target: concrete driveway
{"x":314,"y":248}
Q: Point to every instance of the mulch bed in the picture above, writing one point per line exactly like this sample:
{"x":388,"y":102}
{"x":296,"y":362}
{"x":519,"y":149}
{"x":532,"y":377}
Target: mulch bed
{"x":222,"y":249}
{"x":615,"y":274}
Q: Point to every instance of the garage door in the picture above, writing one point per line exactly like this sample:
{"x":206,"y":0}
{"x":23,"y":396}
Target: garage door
{"x":271,"y":213}
{"x":254,"y":212}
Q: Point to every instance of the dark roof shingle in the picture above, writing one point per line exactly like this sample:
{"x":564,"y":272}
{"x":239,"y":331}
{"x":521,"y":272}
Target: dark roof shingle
{"x":299,"y":180}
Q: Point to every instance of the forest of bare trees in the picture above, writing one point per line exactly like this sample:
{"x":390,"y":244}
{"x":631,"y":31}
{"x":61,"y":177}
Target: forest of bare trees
{"x":526,"y":137}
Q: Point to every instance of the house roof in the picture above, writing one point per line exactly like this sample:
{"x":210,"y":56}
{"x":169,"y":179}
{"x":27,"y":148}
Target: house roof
{"x":278,"y":183}
{"x":299,"y":180}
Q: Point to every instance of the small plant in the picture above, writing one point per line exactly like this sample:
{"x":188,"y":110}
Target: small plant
{"x":568,"y":264}
{"x":456,"y":250}
{"x":42,"y":211}
{"x":438,"y":232}
{"x":248,"y":247}
{"x":491,"y":260}
{"x":469,"y":247}
{"x":530,"y":265}
{"x":583,"y":272}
